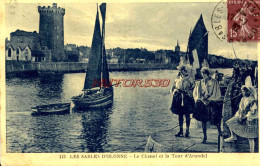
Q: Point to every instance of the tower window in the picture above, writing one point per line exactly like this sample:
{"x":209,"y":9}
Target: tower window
{"x":17,"y":51}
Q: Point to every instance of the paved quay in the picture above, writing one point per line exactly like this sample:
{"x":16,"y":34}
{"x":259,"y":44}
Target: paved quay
{"x":165,"y":141}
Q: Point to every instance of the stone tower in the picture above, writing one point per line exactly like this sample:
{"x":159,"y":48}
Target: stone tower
{"x":51,"y":30}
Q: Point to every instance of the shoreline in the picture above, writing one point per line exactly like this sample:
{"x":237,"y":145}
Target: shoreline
{"x":20,"y":68}
{"x":27,"y":68}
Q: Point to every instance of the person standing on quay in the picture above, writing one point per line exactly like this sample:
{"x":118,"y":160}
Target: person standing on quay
{"x":182,"y":101}
{"x":206,"y":95}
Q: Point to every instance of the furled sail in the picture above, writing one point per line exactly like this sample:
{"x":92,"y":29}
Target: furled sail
{"x":195,"y":63}
{"x":105,"y":73}
{"x":93,"y":75}
{"x":199,"y":40}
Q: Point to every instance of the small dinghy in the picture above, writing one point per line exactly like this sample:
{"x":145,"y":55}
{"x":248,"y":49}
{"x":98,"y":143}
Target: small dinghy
{"x":60,"y":108}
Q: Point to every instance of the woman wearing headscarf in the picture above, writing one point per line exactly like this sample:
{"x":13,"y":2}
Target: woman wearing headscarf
{"x":182,"y":102}
{"x":245,"y":121}
{"x":206,"y":95}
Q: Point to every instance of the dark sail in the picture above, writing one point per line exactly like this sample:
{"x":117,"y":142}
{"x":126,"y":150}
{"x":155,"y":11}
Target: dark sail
{"x":199,"y":40}
{"x":93,"y":75}
{"x":105,"y":73}
{"x":103,"y":12}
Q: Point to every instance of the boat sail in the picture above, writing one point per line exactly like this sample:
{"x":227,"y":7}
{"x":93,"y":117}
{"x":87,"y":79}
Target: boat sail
{"x":97,"y":90}
{"x":197,"y":49}
{"x":198,"y":40}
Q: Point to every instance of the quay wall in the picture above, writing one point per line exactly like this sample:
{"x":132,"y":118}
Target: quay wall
{"x":70,"y":67}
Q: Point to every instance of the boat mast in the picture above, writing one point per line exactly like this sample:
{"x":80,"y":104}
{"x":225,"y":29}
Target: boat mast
{"x":102,"y":53}
{"x":105,"y":73}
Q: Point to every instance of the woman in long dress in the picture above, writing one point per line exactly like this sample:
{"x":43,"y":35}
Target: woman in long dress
{"x":245,"y":121}
{"x":182,"y":102}
{"x":207,"y":106}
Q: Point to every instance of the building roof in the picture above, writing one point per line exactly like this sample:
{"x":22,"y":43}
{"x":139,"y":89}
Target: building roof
{"x":19,"y":32}
{"x":34,"y":45}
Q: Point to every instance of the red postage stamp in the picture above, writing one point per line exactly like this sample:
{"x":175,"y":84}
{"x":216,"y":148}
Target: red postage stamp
{"x":243,"y":20}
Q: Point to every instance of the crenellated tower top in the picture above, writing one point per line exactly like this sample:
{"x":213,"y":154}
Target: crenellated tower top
{"x":53,"y":9}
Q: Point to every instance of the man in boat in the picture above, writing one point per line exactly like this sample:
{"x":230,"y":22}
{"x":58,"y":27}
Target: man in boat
{"x":207,"y":105}
{"x":182,"y":101}
{"x":90,"y":91}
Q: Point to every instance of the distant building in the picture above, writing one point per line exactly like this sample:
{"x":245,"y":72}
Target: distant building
{"x":113,"y":60}
{"x":168,"y":58}
{"x":72,"y":52}
{"x":177,"y":54}
{"x":77,"y":53}
{"x":70,"y":47}
{"x":160,"y":56}
{"x":84,"y":53}
{"x":140,"y":60}
{"x":177,"y":48}
{"x":25,"y":46}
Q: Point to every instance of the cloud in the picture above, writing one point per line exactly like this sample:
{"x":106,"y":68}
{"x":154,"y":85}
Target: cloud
{"x":132,"y":25}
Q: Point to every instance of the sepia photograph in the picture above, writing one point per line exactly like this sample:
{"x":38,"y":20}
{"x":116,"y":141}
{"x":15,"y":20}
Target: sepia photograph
{"x":129,"y":80}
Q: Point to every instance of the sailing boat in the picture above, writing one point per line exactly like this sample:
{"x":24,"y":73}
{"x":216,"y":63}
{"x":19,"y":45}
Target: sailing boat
{"x":97,"y":90}
{"x":197,"y":49}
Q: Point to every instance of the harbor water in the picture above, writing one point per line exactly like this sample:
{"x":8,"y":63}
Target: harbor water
{"x":136,"y":113}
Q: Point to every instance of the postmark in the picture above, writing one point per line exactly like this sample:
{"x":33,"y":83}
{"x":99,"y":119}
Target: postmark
{"x":219,"y":21}
{"x":243,"y":20}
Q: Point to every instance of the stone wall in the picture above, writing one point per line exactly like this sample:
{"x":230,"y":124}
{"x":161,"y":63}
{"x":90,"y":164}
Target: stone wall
{"x":67,"y":67}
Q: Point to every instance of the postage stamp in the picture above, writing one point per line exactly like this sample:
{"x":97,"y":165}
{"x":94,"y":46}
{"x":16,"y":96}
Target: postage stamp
{"x":243,"y":20}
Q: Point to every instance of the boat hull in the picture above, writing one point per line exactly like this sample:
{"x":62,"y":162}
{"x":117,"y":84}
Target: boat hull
{"x":62,"y":108}
{"x":93,"y":101}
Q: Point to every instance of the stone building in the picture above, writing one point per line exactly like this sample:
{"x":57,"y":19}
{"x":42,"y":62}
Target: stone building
{"x":70,"y":47}
{"x":47,"y":45}
{"x":84,"y":53}
{"x":51,"y":30}
{"x":25,"y":46}
{"x":168,"y":56}
{"x":160,"y":56}
{"x":72,"y":52}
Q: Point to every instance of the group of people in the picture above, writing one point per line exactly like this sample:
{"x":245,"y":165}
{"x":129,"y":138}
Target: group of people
{"x":202,"y":99}
{"x":243,"y":70}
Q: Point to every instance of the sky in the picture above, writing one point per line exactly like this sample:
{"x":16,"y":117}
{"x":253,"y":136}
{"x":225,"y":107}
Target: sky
{"x":132,"y":25}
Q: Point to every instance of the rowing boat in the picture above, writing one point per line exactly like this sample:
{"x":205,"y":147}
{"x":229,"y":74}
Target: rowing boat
{"x":60,"y":108}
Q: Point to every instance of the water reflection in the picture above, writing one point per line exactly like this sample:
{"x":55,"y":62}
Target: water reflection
{"x":49,"y":135}
{"x":50,"y":86}
{"x":94,"y":129}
